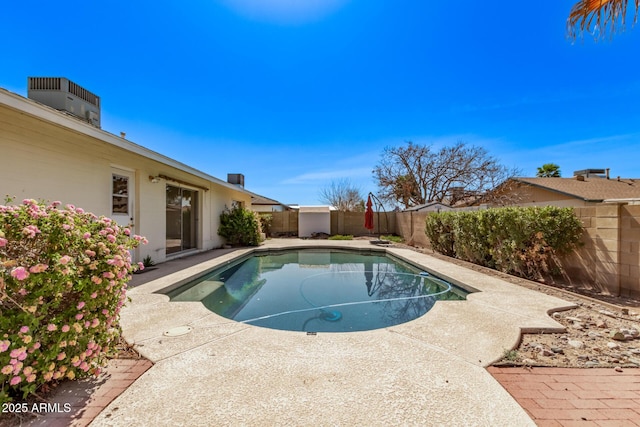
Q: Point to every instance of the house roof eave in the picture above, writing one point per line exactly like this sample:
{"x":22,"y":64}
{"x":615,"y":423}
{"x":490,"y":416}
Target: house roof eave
{"x":51,"y":115}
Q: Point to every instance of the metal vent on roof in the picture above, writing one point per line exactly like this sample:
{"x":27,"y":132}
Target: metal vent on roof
{"x":592,"y":173}
{"x":64,"y":95}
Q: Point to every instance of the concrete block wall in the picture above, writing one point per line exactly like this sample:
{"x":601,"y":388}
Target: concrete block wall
{"x":345,"y":223}
{"x":629,"y":255}
{"x":284,"y":223}
{"x":410,"y":226}
{"x":609,"y":258}
{"x":352,"y":223}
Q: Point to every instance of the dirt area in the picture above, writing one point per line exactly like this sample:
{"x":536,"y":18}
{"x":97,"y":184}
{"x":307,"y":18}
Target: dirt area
{"x":604,"y":331}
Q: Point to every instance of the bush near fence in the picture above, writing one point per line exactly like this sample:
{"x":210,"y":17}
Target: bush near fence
{"x":522,"y":241}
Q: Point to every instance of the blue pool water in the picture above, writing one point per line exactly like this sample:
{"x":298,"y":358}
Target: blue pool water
{"x":319,"y":291}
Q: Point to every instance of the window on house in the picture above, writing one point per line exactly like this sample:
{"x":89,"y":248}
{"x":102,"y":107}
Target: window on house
{"x":120,"y":195}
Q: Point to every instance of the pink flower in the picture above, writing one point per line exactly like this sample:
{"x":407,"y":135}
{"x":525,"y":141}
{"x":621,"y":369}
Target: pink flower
{"x":38,"y":268}
{"x":15,"y":380}
{"x":66,"y":227}
{"x":111,"y":238}
{"x":19,"y":273}
{"x":4,"y":345}
{"x":90,"y":252}
{"x":27,"y":371}
{"x":127,"y":231}
{"x":23,"y":292}
{"x":24,"y":329}
{"x":79,"y":316}
{"x":80,"y":305}
{"x":3,"y":242}
{"x":7,"y":369}
{"x":95,"y":322}
{"x":65,"y":260}
{"x":94,"y":295}
{"x":86,"y":236}
{"x":31,"y":378}
{"x":66,"y":328}
{"x":61,"y":356}
{"x":51,"y":327}
{"x":14,"y":353}
{"x":30,"y":231}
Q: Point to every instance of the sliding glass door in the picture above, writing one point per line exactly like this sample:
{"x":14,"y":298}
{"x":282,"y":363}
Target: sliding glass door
{"x":181,"y":220}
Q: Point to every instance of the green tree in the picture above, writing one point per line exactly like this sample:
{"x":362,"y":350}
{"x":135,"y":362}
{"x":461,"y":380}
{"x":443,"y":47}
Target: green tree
{"x":598,"y":16}
{"x":548,"y":170}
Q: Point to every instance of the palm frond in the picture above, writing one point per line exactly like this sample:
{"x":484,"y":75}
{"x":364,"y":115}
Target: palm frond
{"x":599,"y":17}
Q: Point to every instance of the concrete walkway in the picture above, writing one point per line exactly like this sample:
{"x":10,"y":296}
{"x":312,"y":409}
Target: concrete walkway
{"x":430,"y":371}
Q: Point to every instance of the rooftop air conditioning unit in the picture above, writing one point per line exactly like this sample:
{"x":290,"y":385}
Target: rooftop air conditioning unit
{"x":64,"y":95}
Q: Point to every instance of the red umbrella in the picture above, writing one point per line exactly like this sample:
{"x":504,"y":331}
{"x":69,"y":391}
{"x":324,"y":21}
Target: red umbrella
{"x":368,"y":215}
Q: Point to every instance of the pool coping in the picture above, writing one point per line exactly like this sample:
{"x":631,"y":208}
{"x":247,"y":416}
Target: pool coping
{"x":455,"y":339}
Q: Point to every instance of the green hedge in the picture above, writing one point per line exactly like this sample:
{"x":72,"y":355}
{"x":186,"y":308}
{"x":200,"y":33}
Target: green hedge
{"x":63,"y":280}
{"x":521,"y":241}
{"x":240,"y":226}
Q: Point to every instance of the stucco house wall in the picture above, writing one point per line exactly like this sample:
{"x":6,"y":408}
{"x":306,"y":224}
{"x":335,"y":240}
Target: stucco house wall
{"x":314,"y":219}
{"x":49,"y":156}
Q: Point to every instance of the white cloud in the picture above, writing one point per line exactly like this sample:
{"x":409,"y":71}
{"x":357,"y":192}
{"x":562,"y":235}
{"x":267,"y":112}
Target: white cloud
{"x":328,"y":175}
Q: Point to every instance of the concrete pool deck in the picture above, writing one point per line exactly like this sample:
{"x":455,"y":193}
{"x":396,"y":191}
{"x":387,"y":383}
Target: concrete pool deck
{"x":430,"y":371}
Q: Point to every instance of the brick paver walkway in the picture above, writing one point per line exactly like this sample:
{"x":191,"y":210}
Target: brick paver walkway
{"x":89,"y":397}
{"x":575,"y":397}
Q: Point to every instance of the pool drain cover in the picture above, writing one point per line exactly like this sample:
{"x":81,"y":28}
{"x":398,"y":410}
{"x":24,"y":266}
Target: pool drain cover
{"x":176,"y":332}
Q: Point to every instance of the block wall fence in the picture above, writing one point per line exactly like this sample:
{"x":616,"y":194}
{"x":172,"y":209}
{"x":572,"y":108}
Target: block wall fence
{"x":607,"y":261}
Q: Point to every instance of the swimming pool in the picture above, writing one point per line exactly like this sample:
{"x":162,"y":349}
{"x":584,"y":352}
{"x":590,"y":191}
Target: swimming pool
{"x":319,"y":290}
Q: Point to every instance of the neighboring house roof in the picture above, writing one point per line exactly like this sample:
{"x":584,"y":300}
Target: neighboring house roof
{"x":589,"y":189}
{"x":258,"y":200}
{"x":428,"y":206}
{"x":52,"y":115}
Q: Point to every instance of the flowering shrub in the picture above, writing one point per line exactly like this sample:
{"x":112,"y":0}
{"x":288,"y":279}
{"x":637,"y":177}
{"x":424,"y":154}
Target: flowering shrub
{"x":522,"y":241}
{"x":63,"y":278}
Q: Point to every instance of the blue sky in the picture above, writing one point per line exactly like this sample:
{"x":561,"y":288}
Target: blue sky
{"x":295,"y":94}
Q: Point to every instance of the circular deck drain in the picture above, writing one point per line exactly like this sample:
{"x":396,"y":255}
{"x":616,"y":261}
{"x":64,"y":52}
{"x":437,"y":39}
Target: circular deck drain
{"x":176,"y":332}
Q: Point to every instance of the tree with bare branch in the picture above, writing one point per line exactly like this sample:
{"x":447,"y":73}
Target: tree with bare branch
{"x":599,"y":16}
{"x":415,"y":174}
{"x":343,"y":196}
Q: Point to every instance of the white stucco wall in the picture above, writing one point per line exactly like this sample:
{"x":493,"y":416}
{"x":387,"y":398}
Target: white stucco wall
{"x":58,"y":160}
{"x":314,"y":220}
